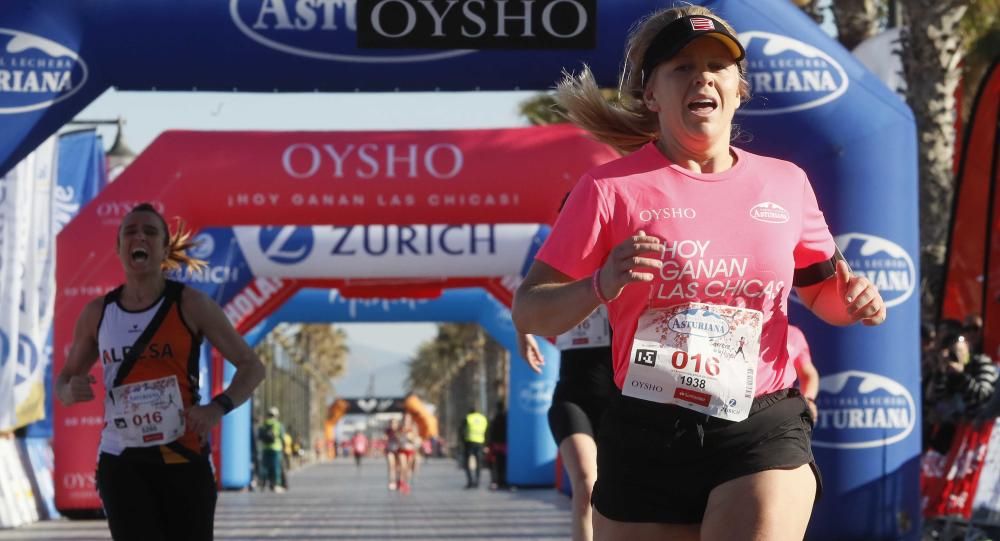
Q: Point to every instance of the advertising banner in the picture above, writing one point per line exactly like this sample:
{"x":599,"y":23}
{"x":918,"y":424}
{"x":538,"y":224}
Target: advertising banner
{"x":387,"y":251}
{"x":965,"y":285}
{"x":26,"y":286}
{"x":948,"y":482}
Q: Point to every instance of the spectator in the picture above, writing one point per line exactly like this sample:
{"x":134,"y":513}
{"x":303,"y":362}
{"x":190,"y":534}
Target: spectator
{"x":973,"y":332}
{"x":359,"y":443}
{"x":271,"y":435}
{"x":497,"y":445}
{"x":959,"y":387}
{"x":474,"y":436}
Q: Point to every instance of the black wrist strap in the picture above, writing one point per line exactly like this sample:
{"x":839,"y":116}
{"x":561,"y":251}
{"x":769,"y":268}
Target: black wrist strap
{"x":223,"y":400}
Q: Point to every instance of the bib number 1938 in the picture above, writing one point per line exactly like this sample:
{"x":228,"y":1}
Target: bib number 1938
{"x":699,"y":356}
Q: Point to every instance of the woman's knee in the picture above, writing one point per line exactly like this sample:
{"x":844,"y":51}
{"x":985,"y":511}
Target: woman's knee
{"x":581,"y":500}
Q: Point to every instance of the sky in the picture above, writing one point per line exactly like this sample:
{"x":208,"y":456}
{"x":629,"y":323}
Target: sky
{"x":378,"y":349}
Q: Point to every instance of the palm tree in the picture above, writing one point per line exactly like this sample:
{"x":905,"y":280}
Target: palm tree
{"x":857,"y":20}
{"x":321,"y":351}
{"x":933,"y":47}
{"x":438,"y":361}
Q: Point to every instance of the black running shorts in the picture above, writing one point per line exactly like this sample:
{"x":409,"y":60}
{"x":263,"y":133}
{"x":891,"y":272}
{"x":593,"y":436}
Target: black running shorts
{"x":157,"y":502}
{"x":586,"y":386}
{"x":658,"y":462}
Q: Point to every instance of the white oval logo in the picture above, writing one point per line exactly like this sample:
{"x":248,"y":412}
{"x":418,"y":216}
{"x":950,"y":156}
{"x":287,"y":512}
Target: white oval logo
{"x":858,"y":410}
{"x":36,"y":72}
{"x":882,"y":261}
{"x":318,"y":30}
{"x":699,"y":322}
{"x":769,"y":212}
{"x":787,"y":75}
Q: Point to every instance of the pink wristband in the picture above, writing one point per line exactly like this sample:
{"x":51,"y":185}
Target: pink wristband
{"x":595,"y":281}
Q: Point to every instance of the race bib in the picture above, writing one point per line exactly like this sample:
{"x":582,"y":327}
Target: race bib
{"x":699,"y":356}
{"x":148,"y":413}
{"x":593,"y":332}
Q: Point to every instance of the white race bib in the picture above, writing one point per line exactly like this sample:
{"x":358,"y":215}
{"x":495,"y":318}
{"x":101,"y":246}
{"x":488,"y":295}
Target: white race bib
{"x":699,"y":356}
{"x":148,"y":413}
{"x":592,"y":332}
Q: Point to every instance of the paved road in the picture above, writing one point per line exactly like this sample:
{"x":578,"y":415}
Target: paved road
{"x":338,"y":501}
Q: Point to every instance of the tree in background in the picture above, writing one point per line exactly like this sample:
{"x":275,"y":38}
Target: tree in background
{"x":944,"y":42}
{"x":858,"y":20}
{"x":455,"y":369}
{"x":933,"y":48}
{"x":438,"y":361}
{"x":302,"y":360}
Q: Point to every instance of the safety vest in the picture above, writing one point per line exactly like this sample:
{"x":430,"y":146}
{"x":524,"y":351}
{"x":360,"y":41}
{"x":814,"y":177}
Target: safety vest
{"x":475,"y":428}
{"x":276,"y":432}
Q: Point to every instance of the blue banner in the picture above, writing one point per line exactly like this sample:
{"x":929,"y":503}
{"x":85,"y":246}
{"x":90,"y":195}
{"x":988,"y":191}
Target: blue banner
{"x":82,"y":174}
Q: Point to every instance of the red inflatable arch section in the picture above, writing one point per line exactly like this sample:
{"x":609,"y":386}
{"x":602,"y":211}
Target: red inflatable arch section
{"x":218,"y":179}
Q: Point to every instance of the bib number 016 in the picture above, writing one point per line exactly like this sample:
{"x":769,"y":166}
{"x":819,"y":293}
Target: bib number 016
{"x":707,"y":365}
{"x":147,"y":418}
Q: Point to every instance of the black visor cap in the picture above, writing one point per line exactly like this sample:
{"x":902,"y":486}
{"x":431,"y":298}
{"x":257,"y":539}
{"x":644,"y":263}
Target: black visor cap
{"x":676,"y":35}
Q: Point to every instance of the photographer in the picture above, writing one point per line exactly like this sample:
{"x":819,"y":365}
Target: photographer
{"x":961,"y":385}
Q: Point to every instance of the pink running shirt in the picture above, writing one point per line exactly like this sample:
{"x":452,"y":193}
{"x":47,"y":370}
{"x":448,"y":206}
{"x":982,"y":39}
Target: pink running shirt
{"x":732,"y":238}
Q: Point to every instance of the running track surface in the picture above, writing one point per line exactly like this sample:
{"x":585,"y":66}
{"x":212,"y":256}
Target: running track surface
{"x":338,"y":501}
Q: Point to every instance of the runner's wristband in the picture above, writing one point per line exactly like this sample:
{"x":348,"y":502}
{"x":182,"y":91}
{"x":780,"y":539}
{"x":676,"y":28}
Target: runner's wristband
{"x":225,"y":402}
{"x":595,"y":280}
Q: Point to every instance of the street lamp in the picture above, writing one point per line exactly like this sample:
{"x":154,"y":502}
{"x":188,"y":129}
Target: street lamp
{"x":120,"y":155}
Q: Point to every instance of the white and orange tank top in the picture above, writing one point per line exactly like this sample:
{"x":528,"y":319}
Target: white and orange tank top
{"x":146,"y":396}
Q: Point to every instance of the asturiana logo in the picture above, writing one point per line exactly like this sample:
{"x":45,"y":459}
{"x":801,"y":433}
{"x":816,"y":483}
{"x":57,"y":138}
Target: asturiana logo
{"x":768,"y":212}
{"x":787,"y":75}
{"x":699,"y":323}
{"x":36,"y":72}
{"x":536,"y":396}
{"x":322,"y":30}
{"x":144,"y":396}
{"x":858,"y":410}
{"x":882,"y":261}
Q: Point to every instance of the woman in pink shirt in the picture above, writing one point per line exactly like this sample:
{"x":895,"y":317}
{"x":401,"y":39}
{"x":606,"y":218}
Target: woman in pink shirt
{"x":694,"y":246}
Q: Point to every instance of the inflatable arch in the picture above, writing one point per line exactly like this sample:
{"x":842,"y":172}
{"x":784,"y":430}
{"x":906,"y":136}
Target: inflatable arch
{"x":427,"y":423}
{"x":813,"y":104}
{"x":532,"y":450}
{"x":476,"y":221}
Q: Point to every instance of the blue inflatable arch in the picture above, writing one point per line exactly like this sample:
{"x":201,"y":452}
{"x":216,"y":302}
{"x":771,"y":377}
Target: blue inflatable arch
{"x":813,"y":104}
{"x":532,"y":451}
